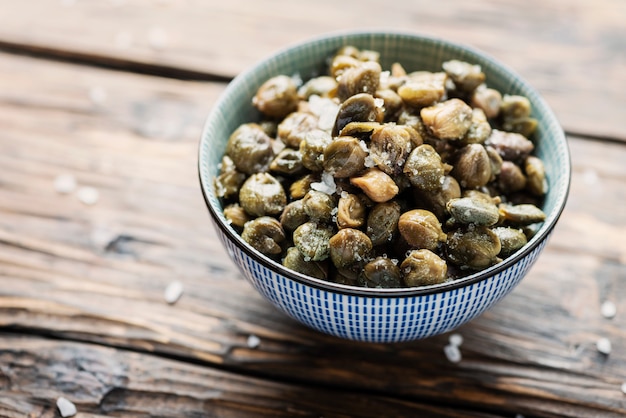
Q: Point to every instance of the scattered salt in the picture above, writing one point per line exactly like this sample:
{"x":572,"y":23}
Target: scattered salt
{"x":624,"y":388}
{"x":344,"y":195}
{"x":608,"y":309}
{"x":604,"y":346}
{"x":456,"y":339}
{"x":157,"y":38}
{"x":327,"y":185}
{"x":369,"y":162}
{"x":173,"y":292}
{"x":378,"y":102}
{"x":88,"y":195}
{"x":97,"y":95}
{"x":253,"y":341}
{"x":101,"y":237}
{"x":590,"y":177}
{"x":452,"y":352}
{"x":65,"y":183}
{"x":66,"y":408}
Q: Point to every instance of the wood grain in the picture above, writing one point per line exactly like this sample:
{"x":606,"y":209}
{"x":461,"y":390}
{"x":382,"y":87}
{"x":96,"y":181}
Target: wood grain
{"x":97,"y":273}
{"x":571,"y":51}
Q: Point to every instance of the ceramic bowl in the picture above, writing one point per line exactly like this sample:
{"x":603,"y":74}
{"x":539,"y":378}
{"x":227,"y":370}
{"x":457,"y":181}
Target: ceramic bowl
{"x":368,"y":314}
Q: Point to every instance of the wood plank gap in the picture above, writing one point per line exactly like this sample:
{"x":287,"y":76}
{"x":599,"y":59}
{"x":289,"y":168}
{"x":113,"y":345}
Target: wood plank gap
{"x":109,"y":62}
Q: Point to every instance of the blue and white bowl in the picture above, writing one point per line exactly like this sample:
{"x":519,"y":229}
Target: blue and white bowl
{"x":366,"y":314}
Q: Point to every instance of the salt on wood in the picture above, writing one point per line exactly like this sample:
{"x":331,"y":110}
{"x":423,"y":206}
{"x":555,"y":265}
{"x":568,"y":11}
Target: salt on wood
{"x":66,"y":408}
{"x":608,"y":309}
{"x":173,"y":292}
{"x":65,"y":183}
{"x":88,"y":195}
{"x":253,"y":341}
{"x":452,"y":352}
{"x":604,"y":346}
{"x":456,"y":339}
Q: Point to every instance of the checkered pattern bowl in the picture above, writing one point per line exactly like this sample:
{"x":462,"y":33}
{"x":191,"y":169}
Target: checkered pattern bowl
{"x":367,"y":314}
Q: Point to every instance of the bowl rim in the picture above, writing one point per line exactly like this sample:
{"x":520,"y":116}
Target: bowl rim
{"x":320,"y":284}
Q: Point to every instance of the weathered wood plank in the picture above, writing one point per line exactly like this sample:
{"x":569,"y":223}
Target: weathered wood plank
{"x":571,"y":51}
{"x":97,"y":273}
{"x":101,"y":381}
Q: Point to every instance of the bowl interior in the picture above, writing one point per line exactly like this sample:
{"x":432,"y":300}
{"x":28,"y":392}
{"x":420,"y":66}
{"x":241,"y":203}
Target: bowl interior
{"x":414,"y":52}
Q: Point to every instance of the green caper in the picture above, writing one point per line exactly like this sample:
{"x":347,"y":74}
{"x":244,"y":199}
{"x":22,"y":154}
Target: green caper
{"x":473,"y":211}
{"x":277,"y":97}
{"x":292,"y":129}
{"x":488,"y":100}
{"x":473,"y":248}
{"x":358,"y":108}
{"x":293,"y":215}
{"x":381,"y":272}
{"x":319,"y":206}
{"x":422,"y":268}
{"x":236,"y":215}
{"x":295,"y":261}
{"x":421,"y":229}
{"x":382,"y":222}
{"x":311,"y":238}
{"x":261,"y":194}
{"x":511,"y":178}
{"x":250,"y":149}
{"x":466,"y":77}
{"x":312,"y":149}
{"x":390,"y":147}
{"x":523,"y":214}
{"x":392,"y":103}
{"x":510,"y":145}
{"x":350,"y":211}
{"x":448,"y":120}
{"x":344,"y":157}
{"x":323,"y":86}
{"x":348,"y":247}
{"x":265,"y":234}
{"x":424,"y":168}
{"x":514,"y":107}
{"x":288,"y":161}
{"x":423,"y":89}
{"x":363,"y":78}
{"x":435,"y":200}
{"x":536,"y":174}
{"x":479,"y":130}
{"x":473,"y":166}
{"x":511,"y":240}
{"x":228,"y":183}
{"x":301,"y":186}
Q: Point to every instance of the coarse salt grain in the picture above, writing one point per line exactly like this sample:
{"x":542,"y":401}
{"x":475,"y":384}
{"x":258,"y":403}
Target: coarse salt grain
{"x":452,"y":352}
{"x":604,"y":346}
{"x":66,"y":408}
{"x":624,"y":388}
{"x":253,"y":341}
{"x":88,"y":195}
{"x":97,"y":95}
{"x":608,"y":309}
{"x":65,"y":183}
{"x":173,"y":292}
{"x":456,"y":339}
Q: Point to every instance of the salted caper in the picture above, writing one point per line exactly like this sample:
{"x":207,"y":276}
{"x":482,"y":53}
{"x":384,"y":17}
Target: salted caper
{"x":466,"y":76}
{"x":277,"y":97}
{"x":236,"y":215}
{"x":424,"y":168}
{"x":382,"y":272}
{"x":357,"y":108}
{"x":319,"y":206}
{"x":420,"y":228}
{"x":511,"y":178}
{"x":423,"y":89}
{"x":348,"y":247}
{"x":473,"y":211}
{"x":448,"y":120}
{"x":487,"y":99}
{"x":262,"y":194}
{"x":311,"y":238}
{"x":320,"y":86}
{"x":510,"y":145}
{"x":382,"y":222}
{"x":288,"y":161}
{"x":511,"y":240}
{"x":523,"y":214}
{"x":350,"y":211}
{"x":390,"y":146}
{"x":473,"y":248}
{"x":312,"y":149}
{"x":296,"y":261}
{"x":473,"y":166}
{"x":423,"y":267}
{"x":345,"y":156}
{"x":250,"y":149}
{"x":293,"y":215}
{"x":536,"y":175}
{"x":363,"y":78}
{"x":292,"y":129}
{"x":265,"y":234}
{"x":376,"y":184}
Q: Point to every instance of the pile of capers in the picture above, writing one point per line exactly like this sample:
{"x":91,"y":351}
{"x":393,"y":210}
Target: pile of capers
{"x":384,"y":179}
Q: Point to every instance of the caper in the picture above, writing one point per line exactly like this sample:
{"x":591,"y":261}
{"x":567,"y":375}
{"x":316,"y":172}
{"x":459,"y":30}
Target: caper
{"x":364,"y":78}
{"x":511,"y":178}
{"x":265,"y":234}
{"x":525,"y":126}
{"x":288,"y":161}
{"x":350,"y":211}
{"x":435,"y":200}
{"x":359,"y":129}
{"x":473,"y":248}
{"x":523,"y":214}
{"x":261,"y":194}
{"x":390,"y":147}
{"x":473,"y":211}
{"x":311,"y":238}
{"x":487,"y":99}
{"x":293,"y":215}
{"x":312,"y":149}
{"x":236,"y":215}
{"x":473,"y":166}
{"x":250,"y":149}
{"x":392,"y":103}
{"x":466,"y":77}
{"x":448,"y":120}
{"x":358,"y":108}
{"x":377,"y":185}
{"x":228,"y":183}
{"x":323,"y":86}
{"x":511,"y":146}
{"x":301,"y":186}
{"x":296,"y":261}
{"x":536,"y":175}
{"x":382,"y":272}
{"x":292,"y":129}
{"x":382,"y":222}
{"x":423,"y":89}
{"x":341,"y":63}
{"x":421,"y":229}
{"x":514,"y":107}
{"x":424,"y":168}
{"x":479,"y":129}
{"x":318,"y":206}
{"x":345,"y":156}
{"x":423,"y":267}
{"x":277,"y":97}
{"x":511,"y":239}
{"x":349,"y":246}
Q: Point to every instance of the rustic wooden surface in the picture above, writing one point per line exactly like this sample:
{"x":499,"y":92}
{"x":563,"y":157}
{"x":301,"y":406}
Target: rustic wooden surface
{"x":115,"y":93}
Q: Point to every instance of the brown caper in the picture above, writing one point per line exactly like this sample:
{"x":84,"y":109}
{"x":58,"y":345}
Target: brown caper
{"x":473,"y":166}
{"x":265,"y":234}
{"x":228,"y":182}
{"x":423,"y":89}
{"x":361,"y":130}
{"x":348,"y":247}
{"x":295,"y":261}
{"x":523,"y":214}
{"x":277,"y":97}
{"x":345,"y":156}
{"x":496,"y":162}
{"x":473,"y":248}
{"x":318,"y":206}
{"x":448,"y":120}
{"x":261,"y":194}
{"x":350,"y":211}
{"x":479,"y":129}
{"x":382,"y":222}
{"x":358,"y":108}
{"x":323,"y":86}
{"x":250,"y":149}
{"x":511,"y":146}
{"x":236,"y":215}
{"x":536,"y":175}
{"x":466,"y":77}
{"x":312,"y":149}
{"x":422,"y":268}
{"x":511,"y":178}
{"x":390,"y":146}
{"x":381,"y":272}
{"x":288,"y":161}
{"x":473,"y":211}
{"x":364,"y":78}
{"x":293,"y":215}
{"x":511,"y":240}
{"x":301,"y":186}
{"x":392,"y":103}
{"x":487,"y":99}
{"x":424,"y":168}
{"x":341,"y":63}
{"x":421,"y":229}
{"x":514,"y":107}
{"x":292,"y":129}
{"x":377,"y":185}
{"x":311,"y":238}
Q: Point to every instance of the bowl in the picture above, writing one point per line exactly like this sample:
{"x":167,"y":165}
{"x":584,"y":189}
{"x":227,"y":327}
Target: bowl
{"x":370,"y":314}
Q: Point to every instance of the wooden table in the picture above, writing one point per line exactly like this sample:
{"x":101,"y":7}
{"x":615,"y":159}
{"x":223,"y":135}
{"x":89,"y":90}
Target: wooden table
{"x":114,"y":93}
